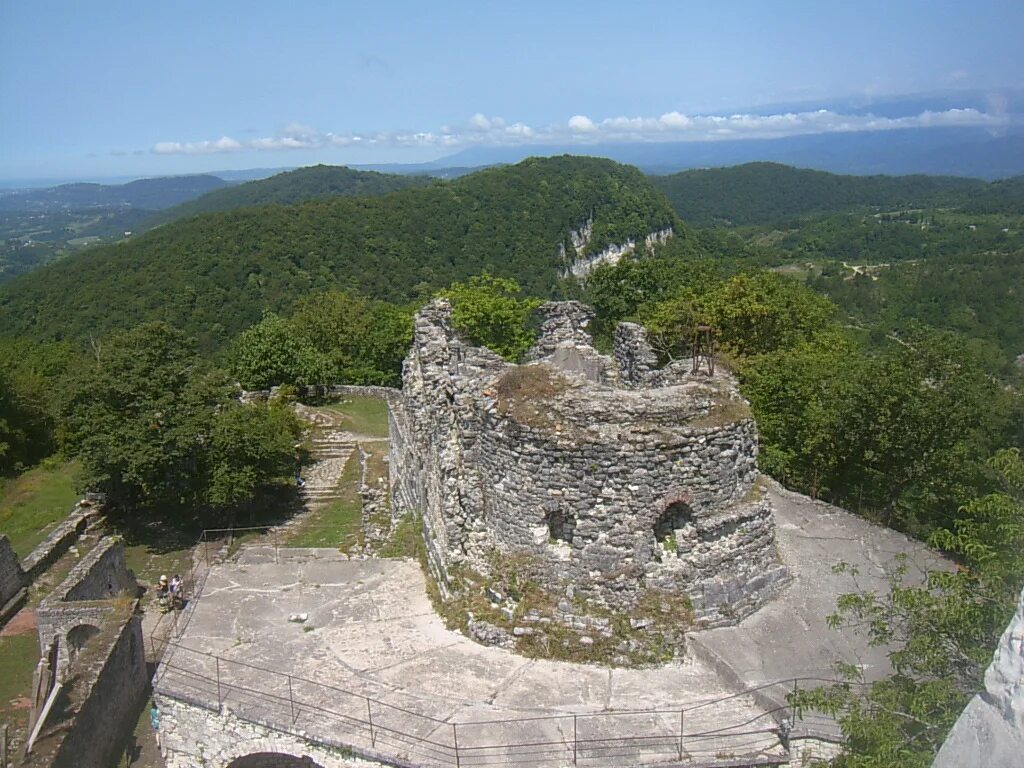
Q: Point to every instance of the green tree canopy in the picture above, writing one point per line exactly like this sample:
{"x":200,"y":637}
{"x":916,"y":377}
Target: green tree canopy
{"x":155,"y":427}
{"x":362,"y":341}
{"x":274,"y":352}
{"x":493,"y":312}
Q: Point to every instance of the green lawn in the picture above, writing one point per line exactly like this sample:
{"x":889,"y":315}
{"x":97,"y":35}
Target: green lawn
{"x":365,"y":415}
{"x":339,"y":524}
{"x":167,"y":556}
{"x":19,"y":655}
{"x":34,"y":502}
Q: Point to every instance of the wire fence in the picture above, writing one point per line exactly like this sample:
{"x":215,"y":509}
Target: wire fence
{"x":697,"y":733}
{"x":352,"y":720}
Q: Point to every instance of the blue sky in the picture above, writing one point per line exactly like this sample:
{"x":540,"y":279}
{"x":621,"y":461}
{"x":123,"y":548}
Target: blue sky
{"x":104,"y":88}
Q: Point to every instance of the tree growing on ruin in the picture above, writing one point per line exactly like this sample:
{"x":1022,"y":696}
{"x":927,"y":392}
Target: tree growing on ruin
{"x":493,"y":312}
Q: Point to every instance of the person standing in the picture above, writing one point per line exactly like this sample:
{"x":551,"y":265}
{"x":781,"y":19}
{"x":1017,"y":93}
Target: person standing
{"x":154,"y":720}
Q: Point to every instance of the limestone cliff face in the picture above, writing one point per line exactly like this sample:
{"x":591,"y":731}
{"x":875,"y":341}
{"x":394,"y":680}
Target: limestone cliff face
{"x":990,"y":731}
{"x":584,"y":265}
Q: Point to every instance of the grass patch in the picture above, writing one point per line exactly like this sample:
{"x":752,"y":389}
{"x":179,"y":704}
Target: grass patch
{"x":339,"y":524}
{"x":724,"y":411}
{"x":523,"y":390}
{"x":407,"y":541}
{"x":151,"y":559}
{"x":19,"y":655}
{"x":33,"y":503}
{"x":363,"y":414}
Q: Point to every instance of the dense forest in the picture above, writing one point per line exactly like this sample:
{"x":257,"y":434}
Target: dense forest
{"x":312,"y":183}
{"x":874,"y":325}
{"x":213,"y":275}
{"x":769,"y":193}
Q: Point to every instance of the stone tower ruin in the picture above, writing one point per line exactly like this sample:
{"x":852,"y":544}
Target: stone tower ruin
{"x":610,"y":475}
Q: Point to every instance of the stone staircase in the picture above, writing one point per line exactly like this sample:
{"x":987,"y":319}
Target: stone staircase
{"x":331,"y":448}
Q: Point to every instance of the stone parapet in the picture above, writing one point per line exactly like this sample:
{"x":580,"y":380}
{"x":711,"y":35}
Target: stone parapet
{"x":79,"y":607}
{"x":101,"y":699}
{"x":60,"y":539}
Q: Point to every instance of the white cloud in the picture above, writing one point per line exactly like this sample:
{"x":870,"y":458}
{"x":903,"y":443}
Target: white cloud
{"x":479,"y":122}
{"x":581,"y":124}
{"x":481,"y":130}
{"x":223,"y":144}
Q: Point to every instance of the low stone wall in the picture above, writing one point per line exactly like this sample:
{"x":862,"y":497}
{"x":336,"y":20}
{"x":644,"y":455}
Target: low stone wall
{"x":101,"y":698}
{"x":325,"y":392}
{"x":12,"y":578}
{"x":60,"y":539}
{"x":193,"y":735}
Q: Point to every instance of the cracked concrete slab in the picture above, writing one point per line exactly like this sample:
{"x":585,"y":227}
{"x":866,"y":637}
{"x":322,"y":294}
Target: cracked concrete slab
{"x":790,"y":637}
{"x":371,"y":631}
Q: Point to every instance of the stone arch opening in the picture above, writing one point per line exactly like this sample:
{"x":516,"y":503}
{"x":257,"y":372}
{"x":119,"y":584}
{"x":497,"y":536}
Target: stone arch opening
{"x":78,"y":637}
{"x":273,"y":760}
{"x":675,"y":516}
{"x":561,"y":525}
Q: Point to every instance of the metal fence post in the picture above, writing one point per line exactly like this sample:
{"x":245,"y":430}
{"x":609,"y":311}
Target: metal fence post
{"x":291,"y":698}
{"x":455,"y":740}
{"x":575,"y":746}
{"x":217,"y":661}
{"x":369,"y":719}
{"x":792,"y":708}
{"x":680,"y":735}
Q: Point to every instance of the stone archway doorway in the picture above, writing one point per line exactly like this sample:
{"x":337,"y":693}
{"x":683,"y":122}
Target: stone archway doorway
{"x":77,"y":638}
{"x":273,"y":760}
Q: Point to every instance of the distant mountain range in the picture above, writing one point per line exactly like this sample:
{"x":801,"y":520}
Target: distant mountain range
{"x":312,"y":183}
{"x":971,"y":152}
{"x":769,"y":193}
{"x":214,"y":274}
{"x":147,"y":194}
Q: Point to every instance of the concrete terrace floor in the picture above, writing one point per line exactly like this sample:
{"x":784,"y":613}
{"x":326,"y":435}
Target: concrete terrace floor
{"x":370,"y":631}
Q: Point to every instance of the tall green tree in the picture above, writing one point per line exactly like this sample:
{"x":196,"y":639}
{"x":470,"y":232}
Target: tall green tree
{"x":274,"y":352}
{"x":362,"y":341}
{"x":155,"y":427}
{"x":493,"y":312}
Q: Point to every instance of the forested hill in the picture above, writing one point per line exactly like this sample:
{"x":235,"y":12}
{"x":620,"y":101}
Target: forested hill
{"x":312,"y":183}
{"x":214,"y":275}
{"x":148,"y":194}
{"x":768,"y":193}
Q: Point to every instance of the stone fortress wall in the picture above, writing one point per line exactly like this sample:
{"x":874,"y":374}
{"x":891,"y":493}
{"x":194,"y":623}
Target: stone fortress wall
{"x":612,"y":476}
{"x":100,"y":660}
{"x":12,"y":578}
{"x":78,"y":608}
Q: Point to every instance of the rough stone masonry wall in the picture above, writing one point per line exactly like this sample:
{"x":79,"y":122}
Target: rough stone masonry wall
{"x":85,"y":597}
{"x":12,"y":577}
{"x":60,"y":539}
{"x":196,"y":736}
{"x":435,"y":424}
{"x":585,"y":491}
{"x":102,"y":699}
